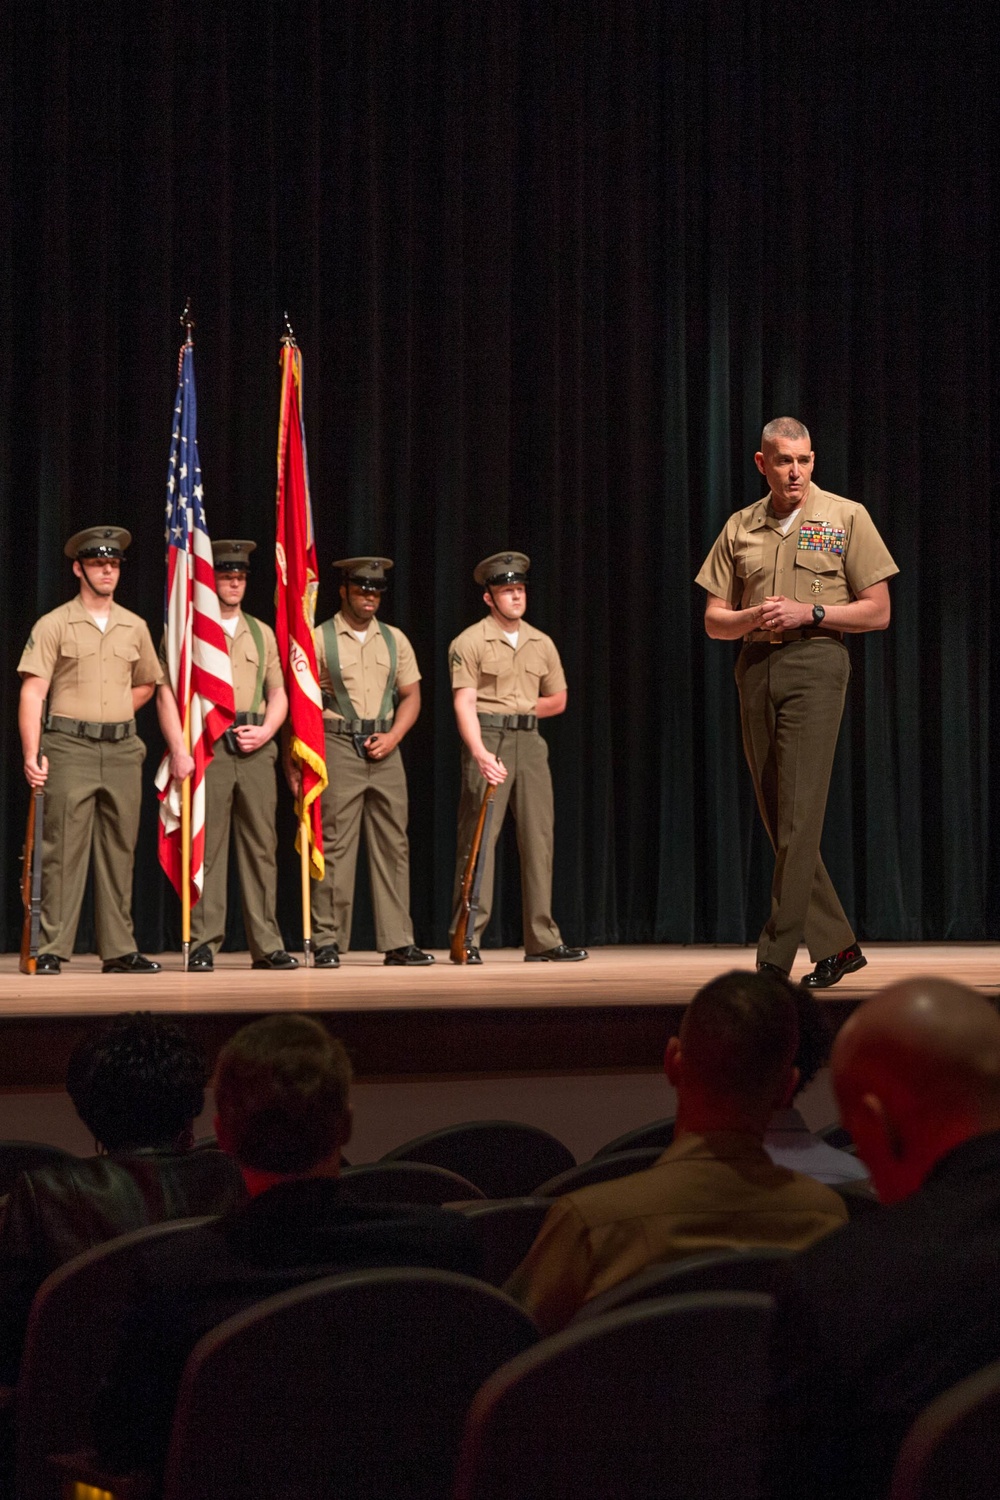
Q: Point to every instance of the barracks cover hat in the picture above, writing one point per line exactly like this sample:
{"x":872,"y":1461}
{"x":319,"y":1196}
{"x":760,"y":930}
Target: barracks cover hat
{"x":98,"y":541}
{"x":232,"y":557}
{"x":503,"y":567}
{"x":367,"y":572}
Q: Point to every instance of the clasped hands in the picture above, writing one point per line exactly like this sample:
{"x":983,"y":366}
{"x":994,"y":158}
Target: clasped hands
{"x":779,"y":613}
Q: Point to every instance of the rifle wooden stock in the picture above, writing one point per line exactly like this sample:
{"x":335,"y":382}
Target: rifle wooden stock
{"x":459,"y":942}
{"x":31,"y":882}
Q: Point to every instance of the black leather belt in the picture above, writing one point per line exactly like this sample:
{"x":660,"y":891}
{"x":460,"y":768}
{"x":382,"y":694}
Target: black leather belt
{"x":782,"y":637}
{"x":357,"y":726}
{"x":84,"y":730}
{"x":247,"y":719}
{"x":508,"y":721}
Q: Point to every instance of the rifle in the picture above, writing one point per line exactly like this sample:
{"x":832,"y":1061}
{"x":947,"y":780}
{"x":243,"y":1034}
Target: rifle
{"x":31,"y":882}
{"x":472,"y":881}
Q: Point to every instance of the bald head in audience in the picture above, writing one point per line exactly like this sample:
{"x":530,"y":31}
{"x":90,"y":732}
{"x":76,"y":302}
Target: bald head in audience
{"x":917,"y":1072}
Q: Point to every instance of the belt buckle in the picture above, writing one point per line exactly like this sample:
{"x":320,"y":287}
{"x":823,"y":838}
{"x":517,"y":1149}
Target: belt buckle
{"x":776,"y":638}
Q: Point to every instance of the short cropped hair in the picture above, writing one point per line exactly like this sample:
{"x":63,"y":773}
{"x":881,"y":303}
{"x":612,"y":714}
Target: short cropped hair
{"x":137,"y":1083}
{"x":789,"y":427}
{"x":739,"y":1033}
{"x":281,"y":1091}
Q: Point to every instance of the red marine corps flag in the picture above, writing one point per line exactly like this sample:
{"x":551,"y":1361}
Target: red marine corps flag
{"x":295,"y":616}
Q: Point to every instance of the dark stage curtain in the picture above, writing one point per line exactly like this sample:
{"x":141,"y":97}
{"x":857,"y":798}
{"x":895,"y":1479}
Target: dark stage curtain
{"x":551,"y":266}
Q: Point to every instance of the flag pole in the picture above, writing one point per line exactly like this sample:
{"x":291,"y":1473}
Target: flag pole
{"x":199,"y":680}
{"x":295,"y":601}
{"x":186,"y":867}
{"x":188,"y":324}
{"x":186,"y":852}
{"x":304,"y":862}
{"x":304,"y":878}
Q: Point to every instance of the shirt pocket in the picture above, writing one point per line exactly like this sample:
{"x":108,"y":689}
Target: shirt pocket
{"x":246,"y":665}
{"x":125,"y":655}
{"x":79,"y":661}
{"x":748,"y":556}
{"x":497,"y":671}
{"x":383,"y":661}
{"x":817,"y":576}
{"x":530,"y":663}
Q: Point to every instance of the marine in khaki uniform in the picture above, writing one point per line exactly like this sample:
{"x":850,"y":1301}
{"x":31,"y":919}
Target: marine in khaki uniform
{"x":240,"y":787}
{"x":790,"y":575}
{"x":505,"y":676}
{"x":87,"y":667}
{"x":371,"y":699}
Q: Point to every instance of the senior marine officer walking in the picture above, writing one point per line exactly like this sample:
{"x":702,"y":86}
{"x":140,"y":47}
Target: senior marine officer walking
{"x":88,"y":666}
{"x":790,"y":575}
{"x":371,"y":699}
{"x":240,"y":787}
{"x":505,"y":676}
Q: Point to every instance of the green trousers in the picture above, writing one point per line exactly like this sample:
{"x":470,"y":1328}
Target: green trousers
{"x":528,"y":793}
{"x":791,"y":704}
{"x":371,"y":795}
{"x":240,"y":793}
{"x":92,"y":799}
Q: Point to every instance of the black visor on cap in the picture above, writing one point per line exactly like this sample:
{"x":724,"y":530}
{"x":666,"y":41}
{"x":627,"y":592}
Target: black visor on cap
{"x":369,"y":585}
{"x":103,"y":552}
{"x":508,"y":576}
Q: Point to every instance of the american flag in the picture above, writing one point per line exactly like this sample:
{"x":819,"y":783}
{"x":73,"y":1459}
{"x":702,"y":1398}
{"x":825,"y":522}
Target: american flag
{"x":198,"y":666}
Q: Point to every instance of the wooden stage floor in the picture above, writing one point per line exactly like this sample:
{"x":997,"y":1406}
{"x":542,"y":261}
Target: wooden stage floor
{"x":614,"y":1011}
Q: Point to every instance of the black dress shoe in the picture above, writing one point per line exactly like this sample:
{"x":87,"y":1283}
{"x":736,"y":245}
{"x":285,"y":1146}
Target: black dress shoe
{"x":130,"y":963}
{"x":410,"y":956}
{"x":829,"y":970}
{"x":327,"y":957}
{"x":772,"y":969}
{"x":559,"y":955}
{"x":201,"y":960}
{"x":47,"y":963}
{"x":472,"y":955}
{"x":279,"y":959}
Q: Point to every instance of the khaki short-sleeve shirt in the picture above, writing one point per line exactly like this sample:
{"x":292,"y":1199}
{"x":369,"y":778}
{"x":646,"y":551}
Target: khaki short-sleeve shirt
{"x":365,"y":665}
{"x":831,"y":552}
{"x":507,"y":679}
{"x":91,"y":672}
{"x":246,"y":663}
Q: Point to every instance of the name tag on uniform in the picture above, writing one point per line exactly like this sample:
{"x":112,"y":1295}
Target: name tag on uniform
{"x":820,"y":536}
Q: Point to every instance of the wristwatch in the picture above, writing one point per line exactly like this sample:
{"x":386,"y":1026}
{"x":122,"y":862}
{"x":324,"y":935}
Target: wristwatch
{"x":819,"y":614}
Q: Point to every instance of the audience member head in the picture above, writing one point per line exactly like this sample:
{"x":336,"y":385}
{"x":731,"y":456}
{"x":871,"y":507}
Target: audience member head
{"x":281,"y":1098}
{"x":815,"y":1037}
{"x":917,"y":1071}
{"x":733,"y":1061}
{"x":137,"y":1083}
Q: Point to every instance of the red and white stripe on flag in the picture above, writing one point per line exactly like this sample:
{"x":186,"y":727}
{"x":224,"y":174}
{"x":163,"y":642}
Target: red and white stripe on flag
{"x":197,"y":659}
